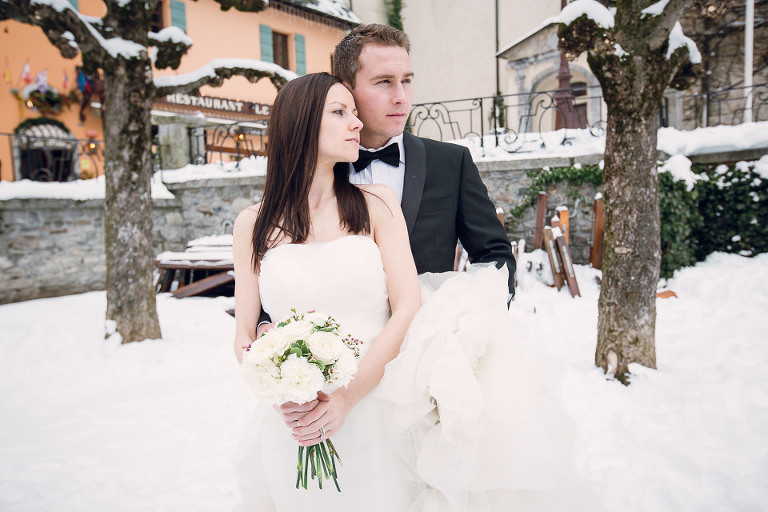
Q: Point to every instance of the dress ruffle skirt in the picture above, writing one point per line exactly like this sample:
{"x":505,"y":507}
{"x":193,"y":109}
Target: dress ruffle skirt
{"x":471,"y":411}
{"x":464,"y":419}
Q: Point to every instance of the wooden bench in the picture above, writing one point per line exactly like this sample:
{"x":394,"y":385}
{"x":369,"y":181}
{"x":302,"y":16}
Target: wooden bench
{"x":205,"y":264}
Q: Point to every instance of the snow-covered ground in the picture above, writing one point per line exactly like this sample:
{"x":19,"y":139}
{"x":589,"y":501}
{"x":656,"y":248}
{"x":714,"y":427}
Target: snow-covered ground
{"x":90,"y":425}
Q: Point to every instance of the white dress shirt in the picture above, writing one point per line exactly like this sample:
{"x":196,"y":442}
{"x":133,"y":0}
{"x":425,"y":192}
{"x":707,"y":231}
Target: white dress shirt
{"x":379,"y":172}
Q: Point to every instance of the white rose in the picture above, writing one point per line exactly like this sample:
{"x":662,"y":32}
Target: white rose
{"x":300,"y":330}
{"x":341,"y":373}
{"x":326,"y":346}
{"x":316,"y":318}
{"x":300,"y":380}
{"x":273,"y":343}
{"x":263,"y":379}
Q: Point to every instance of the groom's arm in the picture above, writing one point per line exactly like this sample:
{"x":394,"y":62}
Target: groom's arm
{"x":479,"y":230}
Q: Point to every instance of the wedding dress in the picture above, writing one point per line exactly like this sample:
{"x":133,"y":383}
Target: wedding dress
{"x":460,"y":421}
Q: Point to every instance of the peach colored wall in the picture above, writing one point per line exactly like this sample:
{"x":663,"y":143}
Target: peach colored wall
{"x":216,"y":34}
{"x":234,"y":34}
{"x":20,"y":43}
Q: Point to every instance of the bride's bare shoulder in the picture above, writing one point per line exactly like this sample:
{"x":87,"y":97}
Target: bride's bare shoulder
{"x":378,"y":195}
{"x":247,"y":216}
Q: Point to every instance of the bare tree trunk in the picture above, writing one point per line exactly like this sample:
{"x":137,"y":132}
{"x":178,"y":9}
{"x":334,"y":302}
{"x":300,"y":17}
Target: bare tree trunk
{"x":632,"y":247}
{"x":128,"y":216}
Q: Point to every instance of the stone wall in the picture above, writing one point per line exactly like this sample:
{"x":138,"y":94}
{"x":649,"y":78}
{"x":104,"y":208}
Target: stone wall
{"x":508,"y":182}
{"x":51,"y":247}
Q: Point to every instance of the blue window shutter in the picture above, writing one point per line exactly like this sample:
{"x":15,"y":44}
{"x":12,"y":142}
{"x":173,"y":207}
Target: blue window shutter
{"x":266,"y":43}
{"x":74,"y":4}
{"x":179,"y":15}
{"x":301,"y":56}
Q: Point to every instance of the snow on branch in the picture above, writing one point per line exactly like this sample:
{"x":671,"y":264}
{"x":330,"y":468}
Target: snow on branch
{"x":592,"y":9}
{"x":217,"y":70}
{"x":677,"y":39}
{"x":69,"y":30}
{"x":655,"y":9}
{"x":172,"y":44}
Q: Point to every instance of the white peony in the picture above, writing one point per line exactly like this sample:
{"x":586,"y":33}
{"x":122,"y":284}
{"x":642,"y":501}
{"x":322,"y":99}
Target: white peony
{"x":319,"y":319}
{"x":326,"y":346}
{"x":273,"y":343}
{"x":300,"y":330}
{"x":263,"y":379}
{"x":341,"y":373}
{"x":300,"y":380}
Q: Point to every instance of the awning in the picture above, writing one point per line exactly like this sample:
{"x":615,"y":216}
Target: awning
{"x":46,"y":136}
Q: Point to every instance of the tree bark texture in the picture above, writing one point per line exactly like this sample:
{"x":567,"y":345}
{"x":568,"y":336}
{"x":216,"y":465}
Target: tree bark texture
{"x":632,"y":246}
{"x":128,"y":205}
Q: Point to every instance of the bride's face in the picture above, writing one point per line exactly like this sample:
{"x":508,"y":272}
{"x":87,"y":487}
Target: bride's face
{"x":339,"y":139}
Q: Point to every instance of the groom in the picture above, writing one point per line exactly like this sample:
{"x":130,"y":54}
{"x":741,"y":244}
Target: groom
{"x":441,"y":193}
{"x":440,"y":190}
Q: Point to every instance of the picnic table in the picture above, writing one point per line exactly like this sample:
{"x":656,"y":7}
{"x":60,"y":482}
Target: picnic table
{"x":206,"y":263}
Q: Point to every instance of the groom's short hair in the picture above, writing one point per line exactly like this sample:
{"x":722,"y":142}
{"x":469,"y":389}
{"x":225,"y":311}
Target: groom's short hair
{"x":346,"y":56}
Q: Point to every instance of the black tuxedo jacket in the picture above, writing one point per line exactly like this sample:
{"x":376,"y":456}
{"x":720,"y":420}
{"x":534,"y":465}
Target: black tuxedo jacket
{"x":444,"y":200}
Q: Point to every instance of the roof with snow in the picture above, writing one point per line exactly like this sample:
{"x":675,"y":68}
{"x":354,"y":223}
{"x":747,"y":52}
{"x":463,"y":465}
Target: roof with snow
{"x":335,"y":10}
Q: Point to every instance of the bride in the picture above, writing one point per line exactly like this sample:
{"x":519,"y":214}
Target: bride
{"x":318,"y":242}
{"x":445,"y":412}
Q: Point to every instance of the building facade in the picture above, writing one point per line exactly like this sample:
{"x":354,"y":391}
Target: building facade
{"x":50,"y":126}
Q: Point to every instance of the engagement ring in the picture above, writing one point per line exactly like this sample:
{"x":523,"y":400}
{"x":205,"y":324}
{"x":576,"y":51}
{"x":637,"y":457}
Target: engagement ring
{"x":322,"y":433}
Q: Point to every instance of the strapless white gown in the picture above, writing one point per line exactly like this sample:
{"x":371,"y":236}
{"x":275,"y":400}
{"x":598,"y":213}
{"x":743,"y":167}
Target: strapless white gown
{"x":460,"y":421}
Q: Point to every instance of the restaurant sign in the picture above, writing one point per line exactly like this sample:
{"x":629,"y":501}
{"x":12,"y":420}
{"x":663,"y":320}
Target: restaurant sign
{"x":219,"y":104}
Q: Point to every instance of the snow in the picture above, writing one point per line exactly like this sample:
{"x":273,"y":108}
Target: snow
{"x":252,"y":166}
{"x":79,"y":190}
{"x":670,"y":140}
{"x":680,"y":168}
{"x":115,"y":46}
{"x":655,"y":9}
{"x":174,"y":35}
{"x":209,"y":70}
{"x":91,"y":425}
{"x":335,"y":8}
{"x":605,"y":18}
{"x":594,"y":10}
{"x":677,"y":39}
{"x":713,"y":139}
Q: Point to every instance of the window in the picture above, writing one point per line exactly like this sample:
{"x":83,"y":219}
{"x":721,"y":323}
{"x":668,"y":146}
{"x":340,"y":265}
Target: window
{"x":280,"y":49}
{"x":158,"y":21}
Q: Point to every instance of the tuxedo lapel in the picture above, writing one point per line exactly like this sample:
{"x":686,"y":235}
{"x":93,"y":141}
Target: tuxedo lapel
{"x":415,"y":176}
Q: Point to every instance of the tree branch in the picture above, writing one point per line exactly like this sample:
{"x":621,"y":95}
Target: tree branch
{"x":665,"y":21}
{"x":66,"y":28}
{"x":171,"y":44}
{"x":217,"y":71}
{"x":243,"y":5}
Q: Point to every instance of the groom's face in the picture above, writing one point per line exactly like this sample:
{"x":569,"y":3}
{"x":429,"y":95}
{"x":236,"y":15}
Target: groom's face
{"x":383,"y":93}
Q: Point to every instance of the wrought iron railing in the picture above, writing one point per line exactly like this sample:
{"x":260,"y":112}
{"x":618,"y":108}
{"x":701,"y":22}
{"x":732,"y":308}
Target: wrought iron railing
{"x":218,"y":142}
{"x":513,"y":122}
{"x":724,"y":107}
{"x":519,"y":122}
{"x":45,"y":158}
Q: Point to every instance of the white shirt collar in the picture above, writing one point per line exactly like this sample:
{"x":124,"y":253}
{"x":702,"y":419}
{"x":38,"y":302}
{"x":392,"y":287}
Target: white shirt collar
{"x":396,"y":139}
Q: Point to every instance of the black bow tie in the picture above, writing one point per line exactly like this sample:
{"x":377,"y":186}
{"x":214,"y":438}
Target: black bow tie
{"x":390,"y":155}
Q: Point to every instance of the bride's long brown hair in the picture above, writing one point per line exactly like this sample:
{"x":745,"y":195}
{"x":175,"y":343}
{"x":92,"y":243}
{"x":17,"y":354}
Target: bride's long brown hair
{"x":294,"y":128}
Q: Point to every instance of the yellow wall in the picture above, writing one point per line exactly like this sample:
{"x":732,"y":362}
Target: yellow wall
{"x":216,"y":34}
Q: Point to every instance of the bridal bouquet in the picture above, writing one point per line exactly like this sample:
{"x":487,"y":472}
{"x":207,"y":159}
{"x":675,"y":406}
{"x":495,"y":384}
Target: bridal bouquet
{"x":292,"y":362}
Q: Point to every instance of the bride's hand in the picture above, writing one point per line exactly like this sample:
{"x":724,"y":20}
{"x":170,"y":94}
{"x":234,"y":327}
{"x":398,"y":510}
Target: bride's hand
{"x":293,"y":412}
{"x":329,"y":413}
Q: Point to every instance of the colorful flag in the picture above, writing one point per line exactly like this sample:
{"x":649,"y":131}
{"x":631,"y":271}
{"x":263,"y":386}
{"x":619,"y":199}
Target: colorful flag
{"x":26,"y":74}
{"x":7,"y":72}
{"x":41,"y":80}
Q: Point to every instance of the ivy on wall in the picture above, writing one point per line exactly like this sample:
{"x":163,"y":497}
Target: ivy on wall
{"x":394,"y":13}
{"x":725,"y":210}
